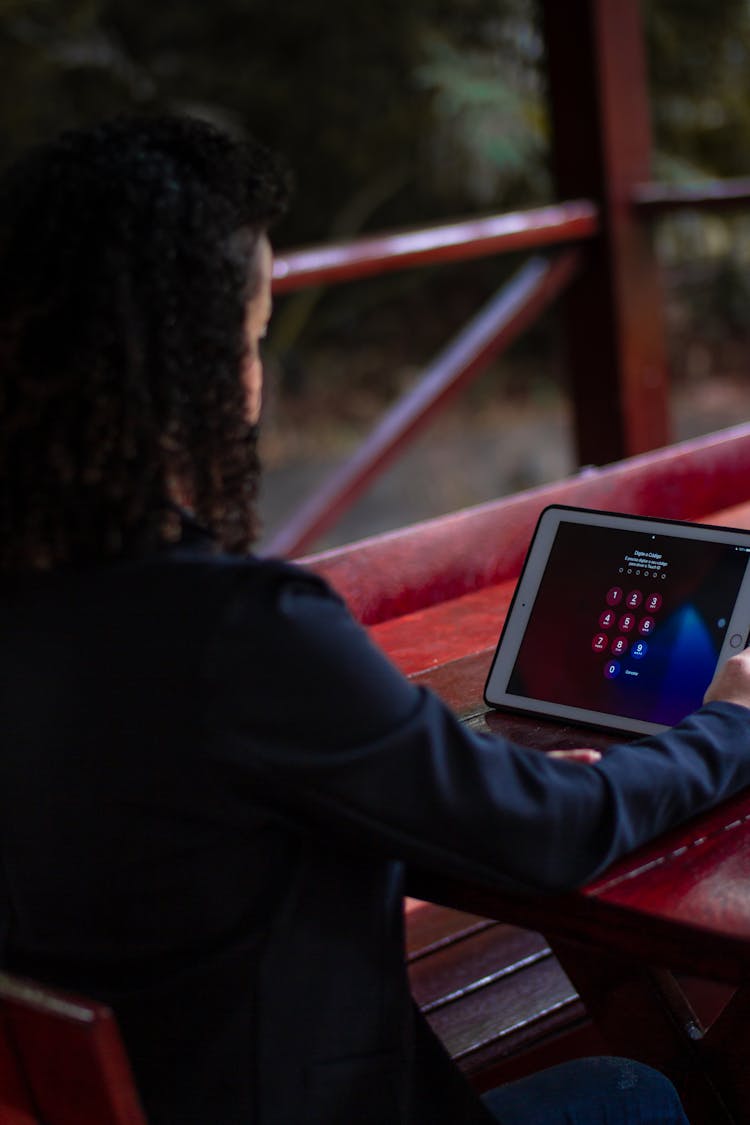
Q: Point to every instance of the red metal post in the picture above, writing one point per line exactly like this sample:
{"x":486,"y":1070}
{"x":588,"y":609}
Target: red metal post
{"x":602,"y":146}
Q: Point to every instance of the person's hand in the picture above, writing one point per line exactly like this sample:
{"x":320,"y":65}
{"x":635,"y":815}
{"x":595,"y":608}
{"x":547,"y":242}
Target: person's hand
{"x":585,"y":754}
{"x":731,"y":684}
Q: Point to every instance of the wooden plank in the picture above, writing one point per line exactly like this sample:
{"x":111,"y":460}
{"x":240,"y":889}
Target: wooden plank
{"x":399,"y":572}
{"x":449,"y":631}
{"x":430,"y":927}
{"x":493,"y":993}
{"x":737,"y":515}
{"x":472,"y":961}
{"x":511,"y":1009}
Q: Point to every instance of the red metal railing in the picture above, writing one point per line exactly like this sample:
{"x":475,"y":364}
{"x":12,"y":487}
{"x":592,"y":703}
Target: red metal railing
{"x":504,"y":317}
{"x":655,"y":198}
{"x":494,"y":328}
{"x":451,"y":242}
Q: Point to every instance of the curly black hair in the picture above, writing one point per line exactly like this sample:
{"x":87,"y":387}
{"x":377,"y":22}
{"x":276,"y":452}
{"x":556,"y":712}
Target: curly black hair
{"x":126,"y":262}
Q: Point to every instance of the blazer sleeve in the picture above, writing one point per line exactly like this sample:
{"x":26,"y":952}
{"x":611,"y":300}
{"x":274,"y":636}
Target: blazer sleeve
{"x":304,"y":714}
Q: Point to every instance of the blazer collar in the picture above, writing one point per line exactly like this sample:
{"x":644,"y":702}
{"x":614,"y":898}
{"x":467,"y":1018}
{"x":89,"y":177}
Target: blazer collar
{"x":195,"y":536}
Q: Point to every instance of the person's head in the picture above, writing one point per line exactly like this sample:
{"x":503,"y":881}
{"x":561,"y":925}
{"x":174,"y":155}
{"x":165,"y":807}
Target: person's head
{"x":134,"y":284}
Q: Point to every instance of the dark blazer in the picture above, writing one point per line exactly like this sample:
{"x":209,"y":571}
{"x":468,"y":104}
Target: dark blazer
{"x":211,"y":787}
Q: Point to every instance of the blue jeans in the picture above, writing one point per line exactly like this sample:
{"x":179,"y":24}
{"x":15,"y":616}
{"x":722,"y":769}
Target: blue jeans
{"x":595,"y":1091}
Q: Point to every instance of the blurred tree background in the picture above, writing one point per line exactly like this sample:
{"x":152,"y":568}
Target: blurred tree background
{"x":406,"y":112}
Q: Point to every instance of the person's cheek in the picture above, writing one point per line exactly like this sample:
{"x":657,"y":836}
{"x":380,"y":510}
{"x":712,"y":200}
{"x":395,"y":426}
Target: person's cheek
{"x":253,"y":388}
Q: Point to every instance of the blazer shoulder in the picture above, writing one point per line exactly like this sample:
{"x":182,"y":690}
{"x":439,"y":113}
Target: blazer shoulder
{"x":273,"y":578}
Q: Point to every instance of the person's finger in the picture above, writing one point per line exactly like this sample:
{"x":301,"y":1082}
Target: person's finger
{"x":585,"y":754}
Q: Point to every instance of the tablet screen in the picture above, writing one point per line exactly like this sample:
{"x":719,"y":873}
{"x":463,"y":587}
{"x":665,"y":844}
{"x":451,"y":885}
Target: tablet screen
{"x":626,"y":623}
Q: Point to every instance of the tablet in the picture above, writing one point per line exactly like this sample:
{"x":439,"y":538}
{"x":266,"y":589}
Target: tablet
{"x":620,"y":621}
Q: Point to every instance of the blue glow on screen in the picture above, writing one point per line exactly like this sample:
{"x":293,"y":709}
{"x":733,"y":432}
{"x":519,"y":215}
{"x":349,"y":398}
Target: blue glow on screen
{"x":688,"y":655}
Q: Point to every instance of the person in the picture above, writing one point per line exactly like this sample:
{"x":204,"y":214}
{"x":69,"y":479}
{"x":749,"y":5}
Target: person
{"x":213,"y":788}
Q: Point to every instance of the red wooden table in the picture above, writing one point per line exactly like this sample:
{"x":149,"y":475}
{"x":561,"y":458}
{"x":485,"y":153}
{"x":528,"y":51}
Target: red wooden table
{"x":435,"y":596}
{"x":680,"y":905}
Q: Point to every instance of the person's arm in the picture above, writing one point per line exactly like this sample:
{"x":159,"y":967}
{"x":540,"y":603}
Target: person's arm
{"x":307,"y":715}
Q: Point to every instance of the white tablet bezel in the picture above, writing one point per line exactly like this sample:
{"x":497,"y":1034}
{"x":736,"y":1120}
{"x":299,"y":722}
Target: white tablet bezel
{"x":496,"y":694}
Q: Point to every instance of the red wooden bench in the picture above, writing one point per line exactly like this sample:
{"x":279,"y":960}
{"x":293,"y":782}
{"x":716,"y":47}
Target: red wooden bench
{"x":61,"y":1060}
{"x":434,"y":596}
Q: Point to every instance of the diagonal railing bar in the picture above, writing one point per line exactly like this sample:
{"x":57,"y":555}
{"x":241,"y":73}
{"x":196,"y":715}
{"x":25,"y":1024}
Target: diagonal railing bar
{"x":449,"y":242}
{"x":503,"y":318}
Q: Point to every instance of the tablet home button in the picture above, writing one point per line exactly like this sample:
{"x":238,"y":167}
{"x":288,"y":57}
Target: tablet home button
{"x":735,"y":640}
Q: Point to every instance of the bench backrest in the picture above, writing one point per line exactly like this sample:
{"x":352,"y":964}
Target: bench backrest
{"x":62,"y":1061}
{"x":389,"y":575}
